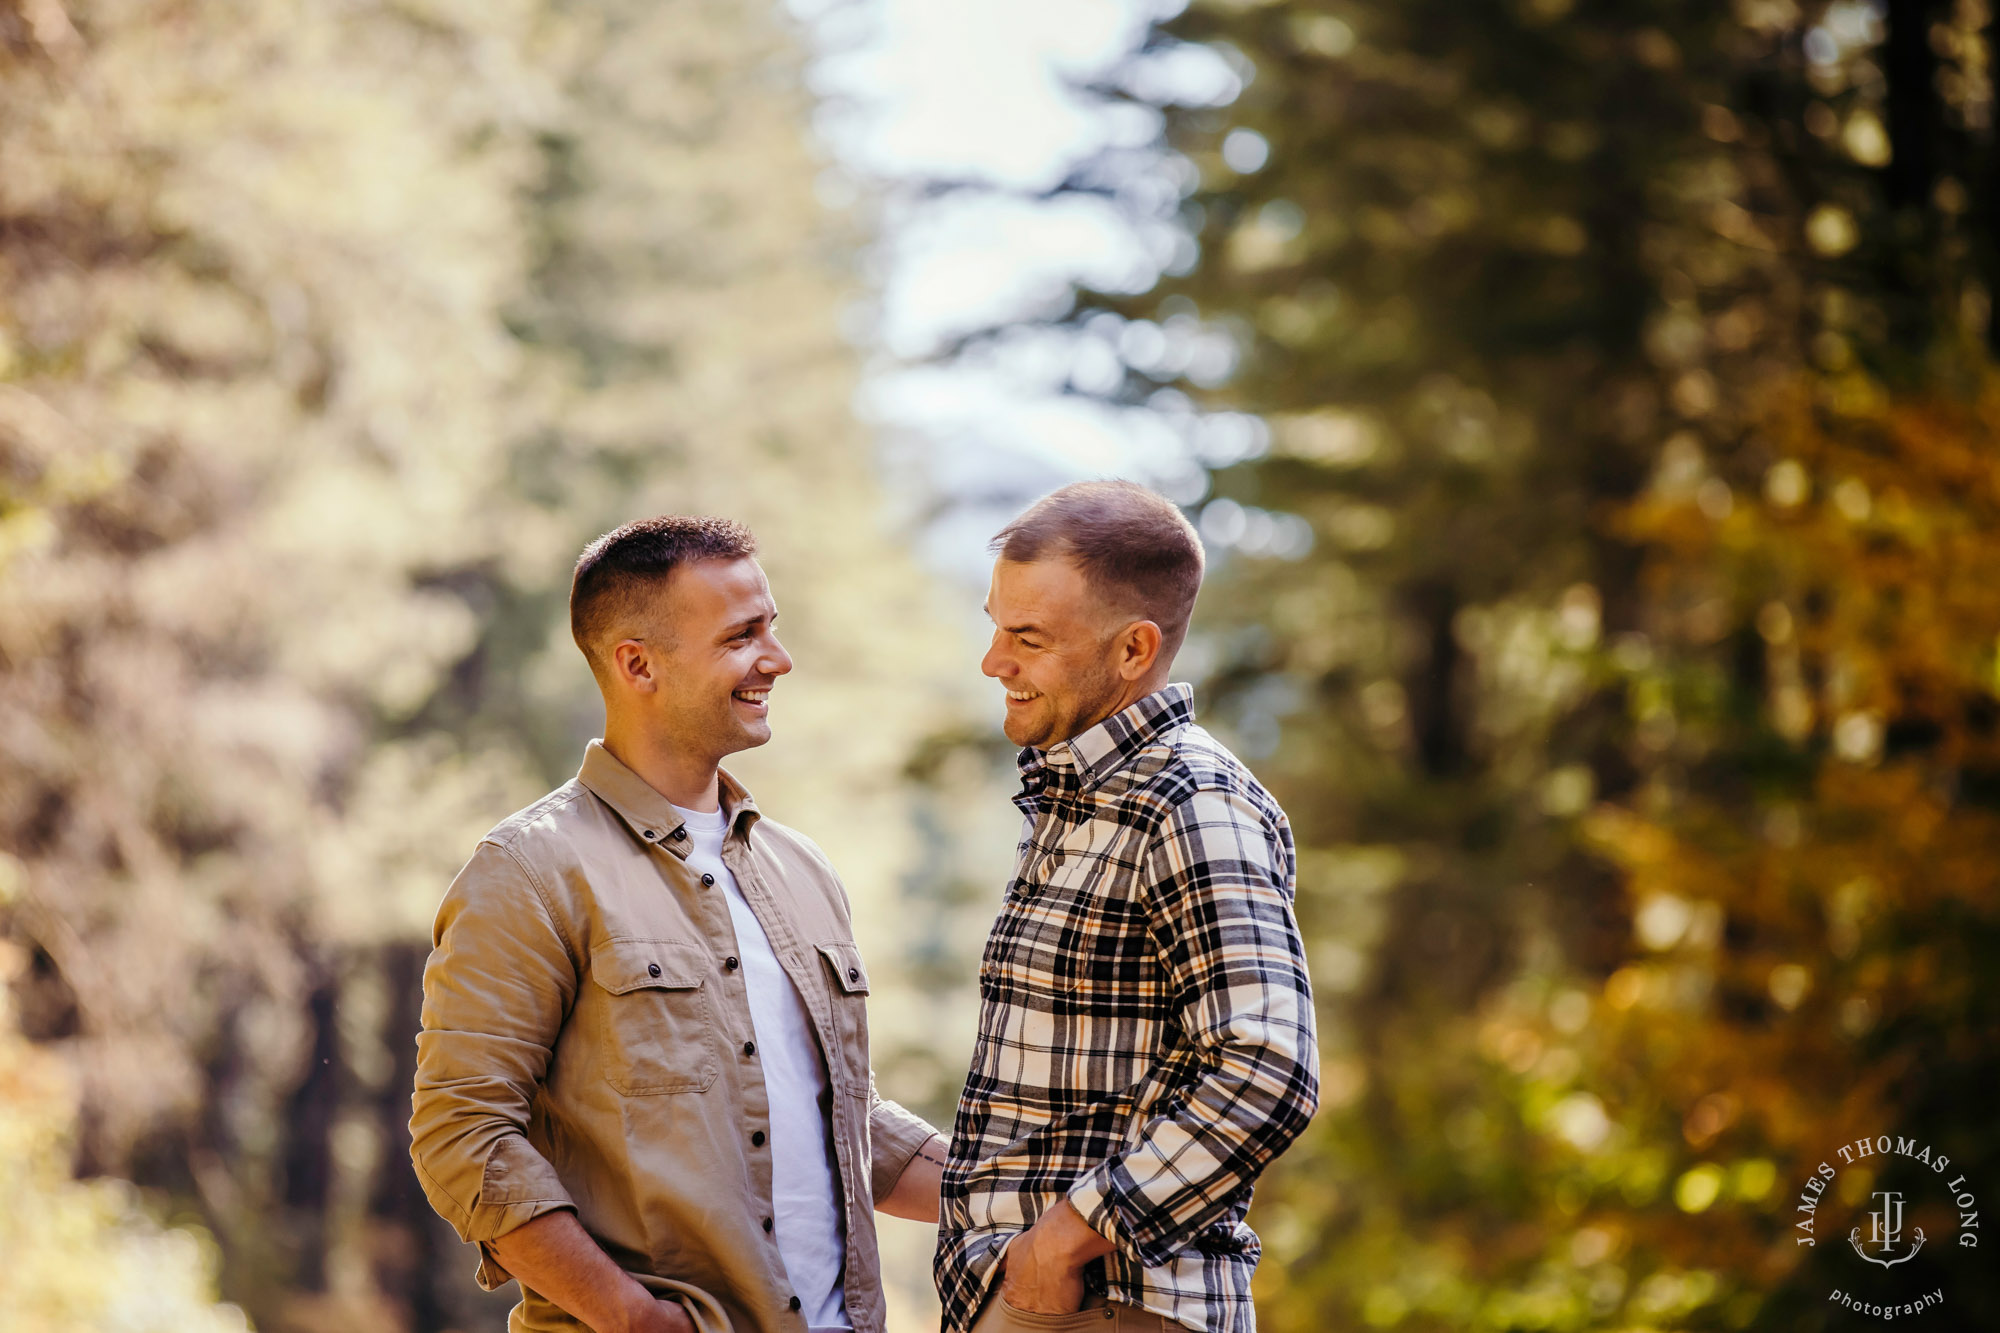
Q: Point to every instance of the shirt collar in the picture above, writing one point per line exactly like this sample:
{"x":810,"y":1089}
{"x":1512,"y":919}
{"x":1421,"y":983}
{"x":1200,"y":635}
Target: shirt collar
{"x":651,"y":815}
{"x":1096,"y":752}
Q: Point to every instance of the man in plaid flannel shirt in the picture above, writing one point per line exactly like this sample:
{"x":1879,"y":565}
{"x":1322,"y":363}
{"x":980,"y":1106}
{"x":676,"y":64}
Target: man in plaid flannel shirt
{"x":1146,"y":1040}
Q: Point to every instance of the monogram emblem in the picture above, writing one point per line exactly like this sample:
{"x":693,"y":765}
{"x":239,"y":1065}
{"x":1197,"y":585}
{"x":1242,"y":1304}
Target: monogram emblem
{"x":1885,"y":1233}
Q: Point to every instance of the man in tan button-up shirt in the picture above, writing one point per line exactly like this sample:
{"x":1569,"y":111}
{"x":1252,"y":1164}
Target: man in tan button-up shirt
{"x":591,"y":1106}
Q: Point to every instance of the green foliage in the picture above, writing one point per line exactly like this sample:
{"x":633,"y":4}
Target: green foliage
{"x":1634,"y":735}
{"x":327,"y":338}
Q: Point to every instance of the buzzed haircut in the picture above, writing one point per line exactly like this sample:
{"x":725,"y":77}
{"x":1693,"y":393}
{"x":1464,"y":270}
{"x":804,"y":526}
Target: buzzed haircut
{"x":618,"y":574}
{"x":1134,"y":547}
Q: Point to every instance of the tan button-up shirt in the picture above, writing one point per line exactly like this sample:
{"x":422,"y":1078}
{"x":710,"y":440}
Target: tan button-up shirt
{"x":585,"y":1045}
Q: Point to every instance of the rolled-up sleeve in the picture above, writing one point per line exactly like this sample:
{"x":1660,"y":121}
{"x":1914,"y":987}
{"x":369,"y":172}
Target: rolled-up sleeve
{"x":1219,"y":884}
{"x":894,"y":1135}
{"x":500,"y":980}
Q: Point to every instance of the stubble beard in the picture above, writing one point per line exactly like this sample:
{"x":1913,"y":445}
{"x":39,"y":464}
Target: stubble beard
{"x":739,"y":734}
{"x":1092,"y":699}
{"x":721,"y":733}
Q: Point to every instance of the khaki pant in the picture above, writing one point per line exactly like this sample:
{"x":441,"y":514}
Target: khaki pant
{"x":996,"y":1316}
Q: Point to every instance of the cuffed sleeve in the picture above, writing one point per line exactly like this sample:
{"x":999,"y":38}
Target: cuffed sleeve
{"x":894,"y":1135}
{"x":1222,"y":920}
{"x":500,"y":979}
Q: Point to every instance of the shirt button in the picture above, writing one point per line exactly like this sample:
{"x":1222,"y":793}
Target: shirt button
{"x":749,"y":1048}
{"x":756,"y":1138}
{"x":651,"y":834}
{"x":652,"y":969}
{"x":795,"y":1302}
{"x":680,"y":833}
{"x":708,"y":881}
{"x":729,"y":963}
{"x":854,"y":974}
{"x":767,"y":1224}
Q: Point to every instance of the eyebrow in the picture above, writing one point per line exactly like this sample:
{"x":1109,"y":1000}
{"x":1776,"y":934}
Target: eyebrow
{"x":733,"y":630}
{"x":1012,"y":629}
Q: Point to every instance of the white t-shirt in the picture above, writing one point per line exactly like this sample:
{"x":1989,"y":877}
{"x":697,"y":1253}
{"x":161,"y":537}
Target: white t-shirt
{"x":805,"y":1199}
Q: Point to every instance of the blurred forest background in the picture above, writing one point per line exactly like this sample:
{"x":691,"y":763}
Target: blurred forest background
{"x":1602,"y":526}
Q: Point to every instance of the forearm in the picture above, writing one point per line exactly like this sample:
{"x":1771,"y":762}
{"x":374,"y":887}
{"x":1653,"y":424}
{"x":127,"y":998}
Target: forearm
{"x":916,"y":1193}
{"x":1220,"y":907}
{"x":1251,"y":1105}
{"x":895,"y":1135}
{"x":1071,"y":1240}
{"x":497,"y":989}
{"x":556,"y":1257}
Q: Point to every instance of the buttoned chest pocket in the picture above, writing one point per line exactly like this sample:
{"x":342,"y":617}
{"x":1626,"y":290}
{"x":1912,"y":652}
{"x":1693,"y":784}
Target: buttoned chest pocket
{"x":1034,"y":945}
{"x":848,"y":993}
{"x":658,"y":1034}
{"x":1109,"y":953}
{"x":1065,"y":939}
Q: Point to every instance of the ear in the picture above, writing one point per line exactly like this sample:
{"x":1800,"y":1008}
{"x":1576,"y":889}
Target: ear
{"x":632,"y":666}
{"x":1138,"y":650}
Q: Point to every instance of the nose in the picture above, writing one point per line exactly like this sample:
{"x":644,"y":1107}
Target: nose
{"x":775,"y":661}
{"x":996,"y":662}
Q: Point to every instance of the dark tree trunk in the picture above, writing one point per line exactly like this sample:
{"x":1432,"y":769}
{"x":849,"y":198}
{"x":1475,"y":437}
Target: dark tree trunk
{"x":1917,"y":143}
{"x":1984,"y":188}
{"x":309,"y":1116}
{"x":1915,"y":113}
{"x":1432,"y":685}
{"x":411,"y":1263}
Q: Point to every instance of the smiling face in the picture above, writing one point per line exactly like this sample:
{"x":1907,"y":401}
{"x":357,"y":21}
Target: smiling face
{"x":710,"y":665}
{"x":1067,"y":660}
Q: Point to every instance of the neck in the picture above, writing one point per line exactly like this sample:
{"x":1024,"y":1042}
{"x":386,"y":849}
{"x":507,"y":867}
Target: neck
{"x":685,"y":778}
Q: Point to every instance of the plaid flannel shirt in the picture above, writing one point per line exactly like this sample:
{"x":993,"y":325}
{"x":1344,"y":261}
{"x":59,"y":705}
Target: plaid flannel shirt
{"x":1146,"y":1043}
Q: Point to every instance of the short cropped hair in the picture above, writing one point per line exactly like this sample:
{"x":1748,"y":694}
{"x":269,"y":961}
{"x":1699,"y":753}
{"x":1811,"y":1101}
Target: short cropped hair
{"x":1134,"y":547}
{"x":618,"y":574}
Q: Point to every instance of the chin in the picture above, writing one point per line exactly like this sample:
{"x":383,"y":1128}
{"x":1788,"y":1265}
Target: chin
{"x":1020,"y":733}
{"x":746,"y":737}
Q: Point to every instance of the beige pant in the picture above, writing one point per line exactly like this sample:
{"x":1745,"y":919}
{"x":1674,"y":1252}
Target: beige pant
{"x":996,"y":1316}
